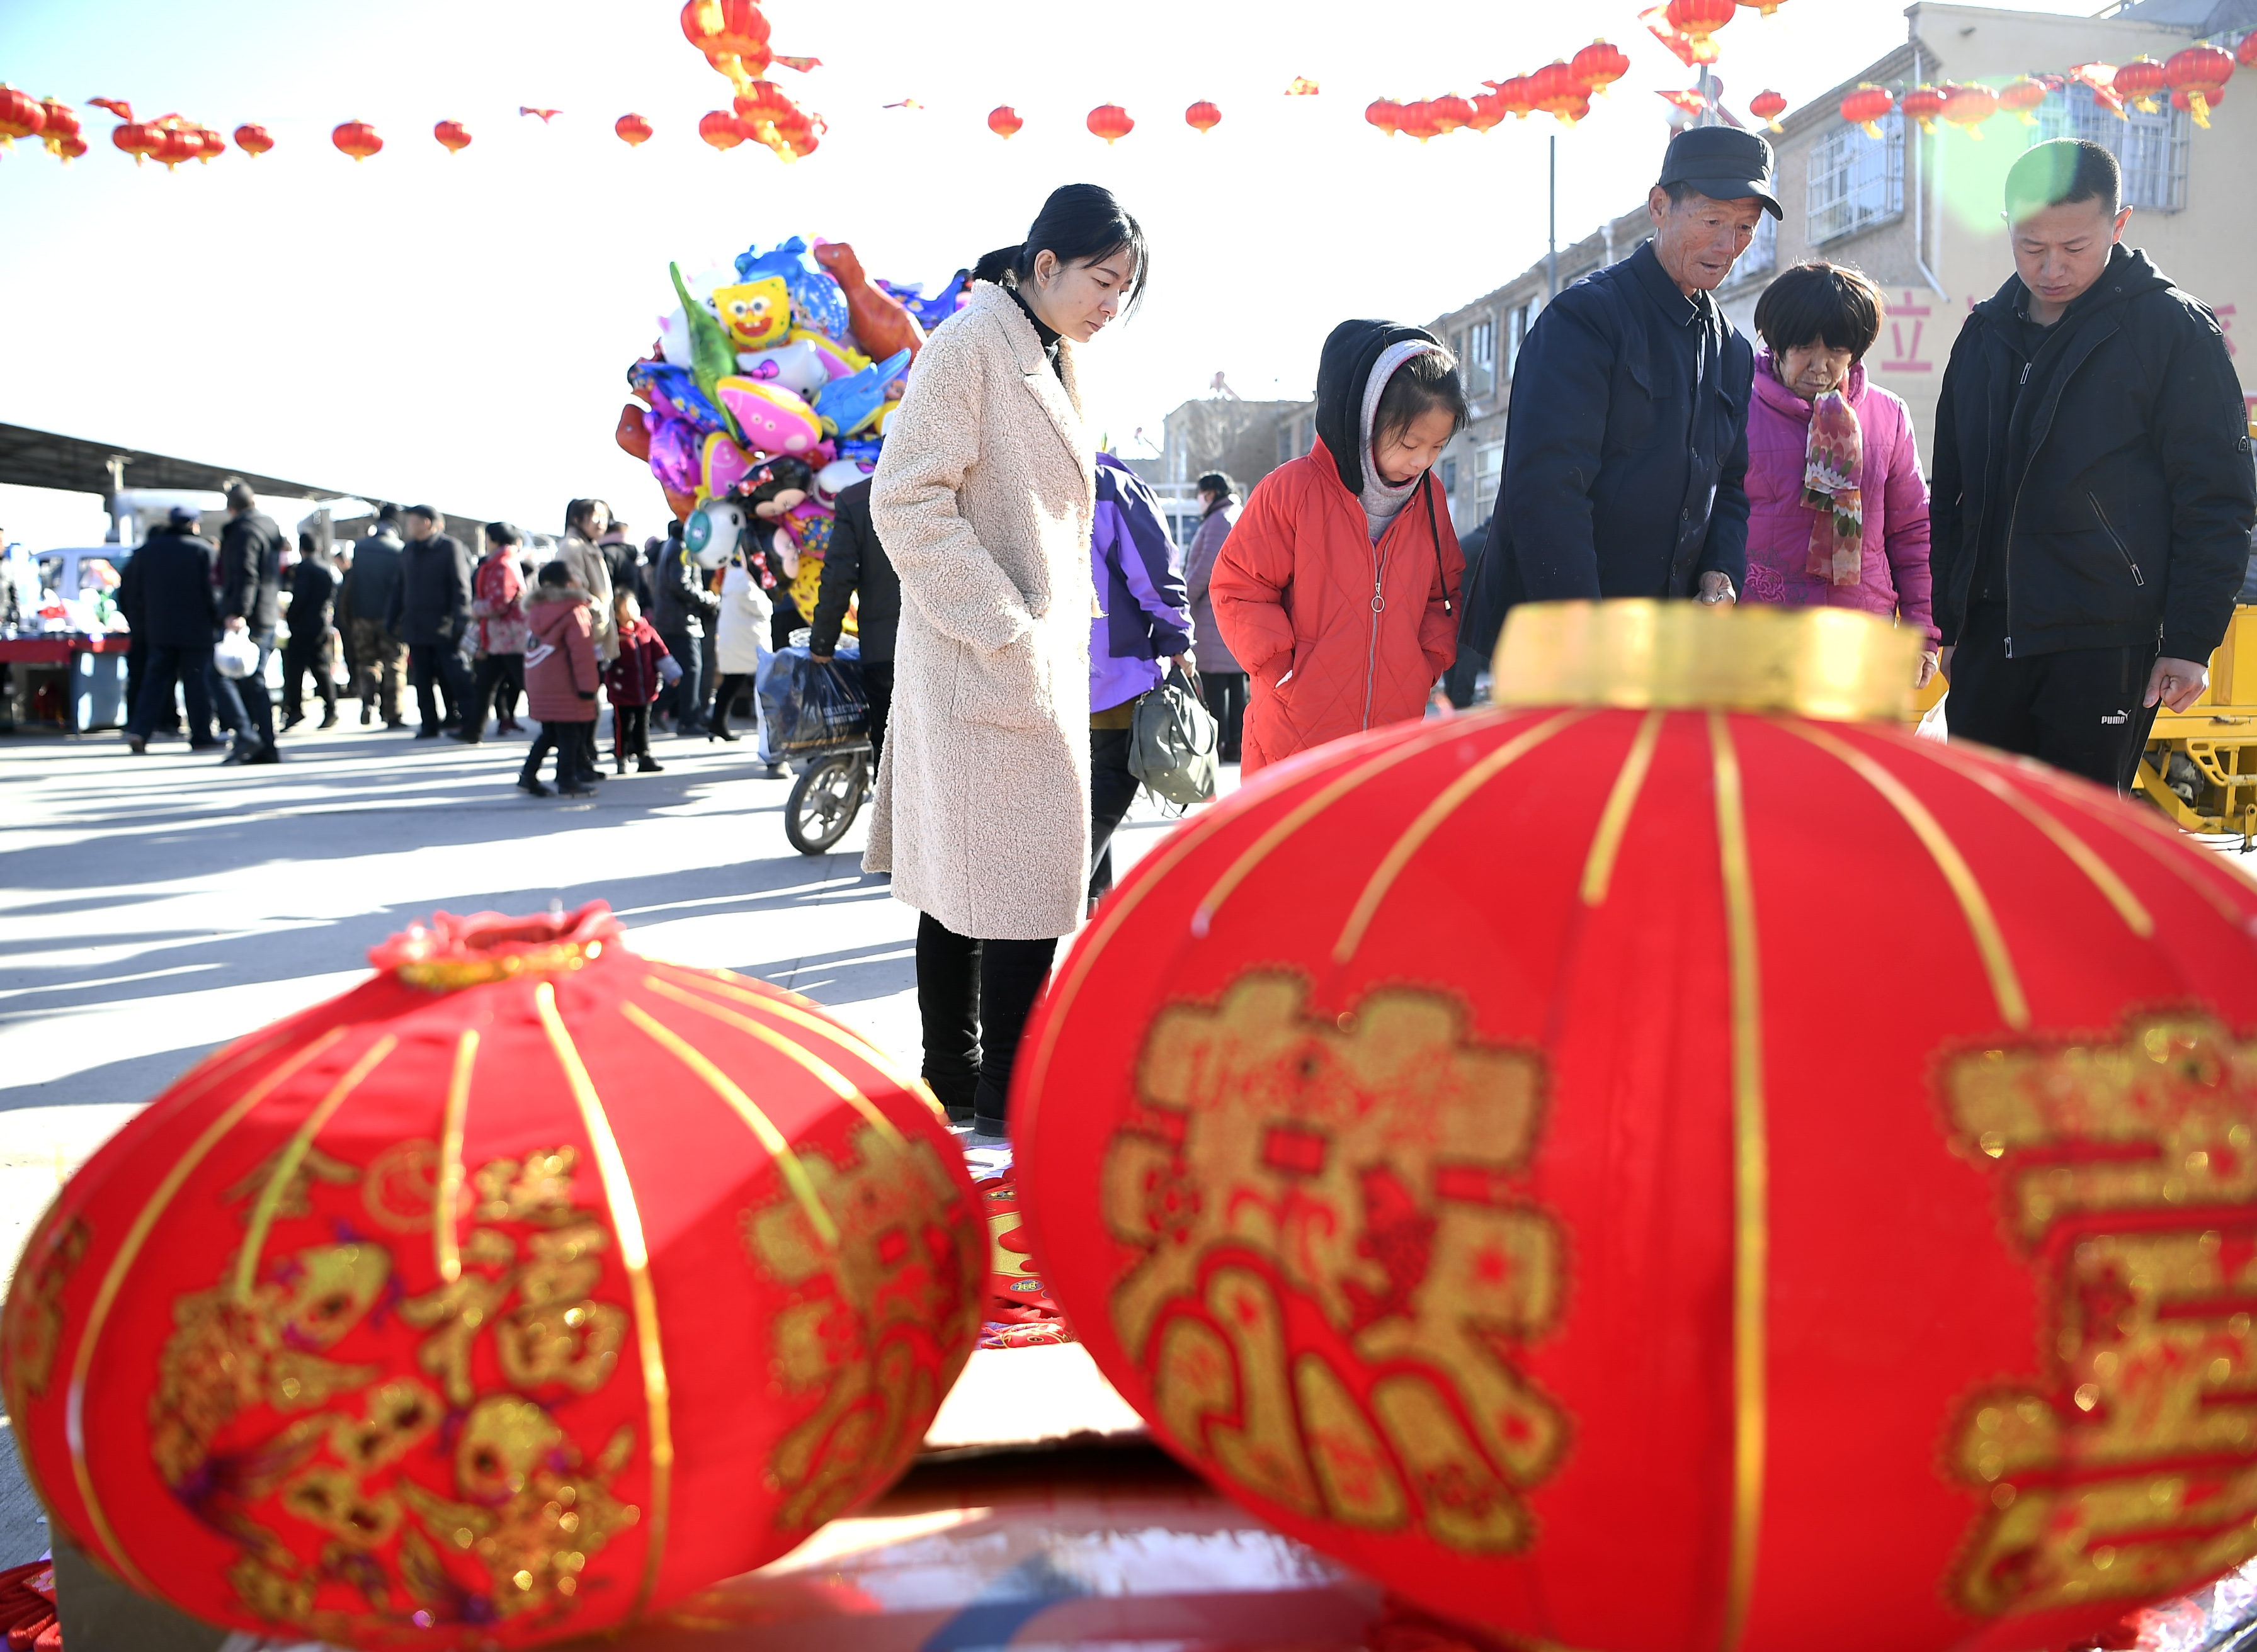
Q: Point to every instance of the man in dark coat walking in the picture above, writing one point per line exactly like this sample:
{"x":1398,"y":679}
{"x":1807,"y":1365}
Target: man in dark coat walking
{"x":682,"y":612}
{"x":431,"y":613}
{"x":855,"y":561}
{"x":364,"y":603}
{"x":179,"y":605}
{"x":2093,"y":494}
{"x":1626,"y":441}
{"x":249,"y":599}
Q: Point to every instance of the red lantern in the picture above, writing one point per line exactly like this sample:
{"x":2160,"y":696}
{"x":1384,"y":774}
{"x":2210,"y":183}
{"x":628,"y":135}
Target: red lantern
{"x":721,"y":129}
{"x":420,"y":1319}
{"x":1698,"y":21}
{"x":252,"y":140}
{"x":1203,"y":118}
{"x":356,"y":138}
{"x":1110,"y":122}
{"x":1488,"y":112}
{"x":2022,"y":97}
{"x":70,"y":148}
{"x":744,"y":31}
{"x":1599,"y":66}
{"x":454,"y":134}
{"x":1968,"y":107}
{"x":61,"y":125}
{"x":1451,"y":112}
{"x":176,"y":143}
{"x":1923,"y":103}
{"x":2246,"y":54}
{"x":1866,"y":106}
{"x":1004,"y":121}
{"x":633,"y":131}
{"x":2198,"y":75}
{"x":1555,"y":89}
{"x":2141,"y":82}
{"x":1481,"y":1230}
{"x":1766,"y":6}
{"x":1767,"y":106}
{"x":1385,"y":113}
{"x":762,"y":101}
{"x":21,"y":116}
{"x":1417,"y":120}
{"x":137,"y":138}
{"x":1515,"y":96}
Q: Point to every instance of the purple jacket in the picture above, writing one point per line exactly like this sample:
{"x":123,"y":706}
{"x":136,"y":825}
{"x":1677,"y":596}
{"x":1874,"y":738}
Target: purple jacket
{"x":1895,"y":497}
{"x":1138,"y":582}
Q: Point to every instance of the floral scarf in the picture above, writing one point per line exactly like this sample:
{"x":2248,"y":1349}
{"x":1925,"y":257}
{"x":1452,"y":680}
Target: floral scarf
{"x":1832,"y":467}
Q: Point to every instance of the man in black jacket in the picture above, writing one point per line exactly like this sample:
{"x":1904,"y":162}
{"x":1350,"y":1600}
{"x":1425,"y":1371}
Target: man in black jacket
{"x":856,"y":562}
{"x":2093,"y":493}
{"x":364,"y":603}
{"x":1626,"y":439}
{"x":431,"y":613}
{"x":179,"y":610}
{"x":249,"y":599}
{"x":682,"y":612}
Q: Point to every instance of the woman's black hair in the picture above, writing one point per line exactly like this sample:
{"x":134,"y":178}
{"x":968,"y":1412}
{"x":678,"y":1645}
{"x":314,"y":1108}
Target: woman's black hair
{"x":579,"y":508}
{"x":553,"y":574}
{"x":503,"y":533}
{"x":1428,"y":380}
{"x":1216,"y":481}
{"x":1081,"y":223}
{"x":1832,"y":303}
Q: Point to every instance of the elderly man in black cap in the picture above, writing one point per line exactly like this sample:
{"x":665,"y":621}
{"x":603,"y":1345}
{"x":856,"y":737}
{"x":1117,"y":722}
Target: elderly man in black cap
{"x":1626,"y":450}
{"x":177,"y":602}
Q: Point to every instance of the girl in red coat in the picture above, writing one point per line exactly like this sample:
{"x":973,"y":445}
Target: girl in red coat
{"x":1338,"y":591}
{"x":560,"y":675}
{"x":633,"y":681}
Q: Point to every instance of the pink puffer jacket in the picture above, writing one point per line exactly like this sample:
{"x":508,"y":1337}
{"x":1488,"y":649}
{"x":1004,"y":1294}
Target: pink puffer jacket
{"x":1895,"y":496}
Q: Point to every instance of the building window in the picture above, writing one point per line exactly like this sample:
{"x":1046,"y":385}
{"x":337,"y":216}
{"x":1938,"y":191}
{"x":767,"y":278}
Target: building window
{"x":1520,"y":319}
{"x":1480,"y":364}
{"x":1762,"y":256}
{"x":2152,"y":149}
{"x":1489,"y":476}
{"x":1856,"y":181}
{"x":1449,"y":476}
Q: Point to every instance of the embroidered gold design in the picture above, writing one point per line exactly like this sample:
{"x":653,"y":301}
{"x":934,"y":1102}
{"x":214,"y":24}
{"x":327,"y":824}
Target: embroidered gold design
{"x":34,"y":1322}
{"x":2128,"y":1468}
{"x":1361,"y":1168}
{"x":401,"y":1188}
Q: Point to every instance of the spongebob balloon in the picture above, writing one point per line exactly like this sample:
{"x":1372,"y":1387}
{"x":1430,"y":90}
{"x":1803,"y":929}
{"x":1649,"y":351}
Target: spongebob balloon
{"x":757,"y":314}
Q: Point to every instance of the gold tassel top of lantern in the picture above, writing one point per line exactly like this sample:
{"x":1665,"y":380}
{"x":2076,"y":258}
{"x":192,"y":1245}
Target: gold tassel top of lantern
{"x":1831,"y":663}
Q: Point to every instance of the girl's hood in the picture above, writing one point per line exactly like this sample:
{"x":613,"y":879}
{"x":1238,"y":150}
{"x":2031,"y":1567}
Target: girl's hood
{"x":1343,"y":376}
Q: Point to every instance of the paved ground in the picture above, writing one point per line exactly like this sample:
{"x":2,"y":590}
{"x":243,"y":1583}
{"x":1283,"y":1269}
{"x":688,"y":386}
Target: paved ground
{"x":152,"y":909}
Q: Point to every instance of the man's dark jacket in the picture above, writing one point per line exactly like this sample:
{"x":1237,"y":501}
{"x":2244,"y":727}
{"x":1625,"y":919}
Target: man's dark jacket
{"x":372,"y":580}
{"x":2121,"y":488}
{"x":678,"y":593}
{"x":313,"y":594}
{"x":432,"y":602}
{"x":251,"y":570}
{"x":176,"y":592}
{"x":856,"y":562}
{"x":1616,"y":484}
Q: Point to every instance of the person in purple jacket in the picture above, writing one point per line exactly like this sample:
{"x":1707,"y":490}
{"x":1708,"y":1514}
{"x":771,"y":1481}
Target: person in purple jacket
{"x":1837,"y":507}
{"x":1140,"y":619}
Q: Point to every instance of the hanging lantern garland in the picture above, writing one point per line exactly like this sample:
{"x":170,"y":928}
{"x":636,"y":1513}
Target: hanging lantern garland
{"x":733,"y":35}
{"x":2194,"y":80}
{"x":1563,"y":90}
{"x":21,"y":116}
{"x":1599,"y":66}
{"x":2022,"y":97}
{"x":1968,"y":107}
{"x":2197,"y":77}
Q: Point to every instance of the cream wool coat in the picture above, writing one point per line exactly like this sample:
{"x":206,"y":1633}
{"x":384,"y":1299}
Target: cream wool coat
{"x":984,"y":498}
{"x":594,"y":573}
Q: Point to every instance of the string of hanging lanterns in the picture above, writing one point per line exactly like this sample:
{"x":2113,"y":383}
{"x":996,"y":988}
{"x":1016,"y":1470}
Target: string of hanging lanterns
{"x":2193,"y":79}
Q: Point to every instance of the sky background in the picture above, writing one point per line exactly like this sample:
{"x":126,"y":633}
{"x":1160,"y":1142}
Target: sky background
{"x":455,"y":328}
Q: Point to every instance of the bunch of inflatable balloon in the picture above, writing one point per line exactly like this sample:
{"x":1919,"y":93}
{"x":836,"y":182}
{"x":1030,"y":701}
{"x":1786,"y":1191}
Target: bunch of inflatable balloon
{"x":772,"y":377}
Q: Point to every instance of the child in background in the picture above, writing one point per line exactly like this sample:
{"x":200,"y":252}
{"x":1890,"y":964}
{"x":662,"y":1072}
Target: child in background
{"x":633,"y":681}
{"x":1338,"y":589}
{"x":560,"y":676}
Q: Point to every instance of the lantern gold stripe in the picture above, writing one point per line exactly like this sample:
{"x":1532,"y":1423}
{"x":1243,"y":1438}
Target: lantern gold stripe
{"x":447,"y":1249}
{"x":1614,"y":818}
{"x":113,"y":1279}
{"x":1974,"y":906}
{"x":727,"y":985}
{"x":828,"y":1077}
{"x":635,"y":1255}
{"x":1451,"y":799}
{"x":763,"y":1128}
{"x":2159,"y":839}
{"x":1751,"y":1182}
{"x":286,"y":1164}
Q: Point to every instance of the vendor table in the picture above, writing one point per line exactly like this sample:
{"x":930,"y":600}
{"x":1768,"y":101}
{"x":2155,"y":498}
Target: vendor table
{"x":73,"y":681}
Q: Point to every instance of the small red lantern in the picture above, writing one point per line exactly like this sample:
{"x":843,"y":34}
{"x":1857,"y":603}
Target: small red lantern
{"x":137,"y":138}
{"x":1515,"y":96}
{"x":253,"y":140}
{"x":1483,"y":1230}
{"x":1488,"y":112}
{"x":1110,"y":122}
{"x":1559,"y":92}
{"x":176,"y":143}
{"x":2246,"y":54}
{"x":62,"y":124}
{"x":1385,"y":113}
{"x":634,"y":129}
{"x":721,"y":129}
{"x":1968,"y":107}
{"x":1767,"y":106}
{"x":1599,"y":66}
{"x":1866,"y":106}
{"x":454,"y":134}
{"x":2022,"y":98}
{"x":70,"y":148}
{"x":1418,"y":121}
{"x":1203,"y":118}
{"x":436,"y":1325}
{"x":2141,"y":82}
{"x":1923,"y":103}
{"x":356,"y":138}
{"x":1698,"y":21}
{"x":1004,"y":121}
{"x":1451,"y":112}
{"x":1766,"y":6}
{"x":21,"y":116}
{"x":744,"y":31}
{"x":762,"y":101}
{"x":2198,"y":75}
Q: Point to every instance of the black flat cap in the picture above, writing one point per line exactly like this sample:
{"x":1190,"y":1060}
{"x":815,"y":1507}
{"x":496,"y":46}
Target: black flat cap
{"x":1723,"y":164}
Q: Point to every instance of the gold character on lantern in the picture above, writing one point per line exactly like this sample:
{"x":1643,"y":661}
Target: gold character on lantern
{"x":1359,"y":1168}
{"x":2126,"y":1170}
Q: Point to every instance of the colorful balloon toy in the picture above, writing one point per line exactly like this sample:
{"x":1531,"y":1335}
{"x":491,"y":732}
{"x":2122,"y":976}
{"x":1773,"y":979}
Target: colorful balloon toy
{"x":756,"y":313}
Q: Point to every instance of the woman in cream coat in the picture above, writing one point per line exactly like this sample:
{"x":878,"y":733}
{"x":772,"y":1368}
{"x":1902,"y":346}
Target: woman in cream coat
{"x":984,"y":499}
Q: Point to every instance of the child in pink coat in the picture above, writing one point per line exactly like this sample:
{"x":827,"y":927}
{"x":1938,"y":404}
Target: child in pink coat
{"x":1837,"y":508}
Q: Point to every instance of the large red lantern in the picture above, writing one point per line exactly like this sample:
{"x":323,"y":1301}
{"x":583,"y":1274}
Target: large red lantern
{"x":2198,"y":74}
{"x":1923,"y":103}
{"x":137,"y":138}
{"x":69,"y":148}
{"x":356,"y":138}
{"x":1202,"y":117}
{"x":1804,"y":1135}
{"x":1866,"y":106}
{"x":1515,"y":96}
{"x":21,"y":116}
{"x":762,"y":101}
{"x":1417,"y":120}
{"x":453,"y":135}
{"x":721,"y":129}
{"x":59,"y":126}
{"x":1451,"y":112}
{"x":176,"y":143}
{"x":1488,"y":112}
{"x":1767,"y":106}
{"x":1968,"y":107}
{"x":1599,"y":66}
{"x":633,"y":131}
{"x":1004,"y":121}
{"x":253,"y":140}
{"x":1556,"y":90}
{"x":2141,"y":82}
{"x":1385,"y":113}
{"x":1698,"y":21}
{"x":507,"y":1297}
{"x":1110,"y":122}
{"x":2022,"y":97}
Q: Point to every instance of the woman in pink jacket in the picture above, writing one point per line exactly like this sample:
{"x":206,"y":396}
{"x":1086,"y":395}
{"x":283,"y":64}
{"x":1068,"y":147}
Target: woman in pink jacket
{"x":1838,"y":506}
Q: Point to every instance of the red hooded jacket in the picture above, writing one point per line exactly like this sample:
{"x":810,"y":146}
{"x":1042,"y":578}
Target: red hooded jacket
{"x":1293,"y":592}
{"x":561,"y":669}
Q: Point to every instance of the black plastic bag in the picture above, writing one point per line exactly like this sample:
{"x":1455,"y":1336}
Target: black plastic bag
{"x":808,"y":704}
